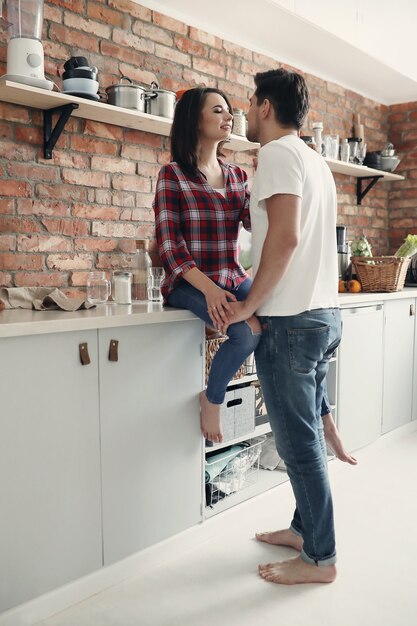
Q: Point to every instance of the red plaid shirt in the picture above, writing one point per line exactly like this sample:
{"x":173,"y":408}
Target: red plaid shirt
{"x":197,"y":227}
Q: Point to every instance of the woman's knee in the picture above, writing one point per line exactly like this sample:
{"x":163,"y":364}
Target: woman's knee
{"x":255,"y":325}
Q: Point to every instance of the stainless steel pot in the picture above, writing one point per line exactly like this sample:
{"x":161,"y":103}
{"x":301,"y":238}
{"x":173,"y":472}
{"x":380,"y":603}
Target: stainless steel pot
{"x":128,"y":96}
{"x":160,"y":101}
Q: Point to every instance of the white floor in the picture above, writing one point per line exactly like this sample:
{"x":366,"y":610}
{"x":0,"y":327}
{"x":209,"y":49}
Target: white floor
{"x":215,"y":582}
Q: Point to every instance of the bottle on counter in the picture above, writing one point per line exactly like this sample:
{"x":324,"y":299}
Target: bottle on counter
{"x":140,"y":266}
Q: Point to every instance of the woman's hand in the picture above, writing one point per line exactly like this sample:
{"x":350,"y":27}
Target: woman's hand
{"x":218,"y":306}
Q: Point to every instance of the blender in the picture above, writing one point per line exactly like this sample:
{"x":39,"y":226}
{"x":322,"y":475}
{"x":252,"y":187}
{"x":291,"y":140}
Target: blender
{"x":25,"y":59}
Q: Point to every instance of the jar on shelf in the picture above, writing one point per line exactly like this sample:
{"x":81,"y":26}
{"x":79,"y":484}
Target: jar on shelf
{"x":140,"y":269}
{"x":122,"y":287}
{"x":239,"y":123}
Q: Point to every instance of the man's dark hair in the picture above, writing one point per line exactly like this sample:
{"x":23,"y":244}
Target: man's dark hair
{"x":184,"y":130}
{"x":287,"y":91}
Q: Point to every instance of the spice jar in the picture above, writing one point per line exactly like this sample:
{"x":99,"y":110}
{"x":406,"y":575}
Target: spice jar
{"x":122,"y":287}
{"x":239,"y":123}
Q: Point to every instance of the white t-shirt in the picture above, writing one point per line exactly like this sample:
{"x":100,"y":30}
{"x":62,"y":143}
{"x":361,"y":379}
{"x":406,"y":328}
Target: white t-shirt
{"x":288,"y":166}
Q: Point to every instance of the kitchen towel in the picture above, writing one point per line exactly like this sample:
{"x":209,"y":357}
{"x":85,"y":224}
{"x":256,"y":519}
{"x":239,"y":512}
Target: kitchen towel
{"x":40,"y":299}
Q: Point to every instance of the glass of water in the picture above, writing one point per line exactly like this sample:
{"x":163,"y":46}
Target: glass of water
{"x":156,"y":276}
{"x":98,"y":287}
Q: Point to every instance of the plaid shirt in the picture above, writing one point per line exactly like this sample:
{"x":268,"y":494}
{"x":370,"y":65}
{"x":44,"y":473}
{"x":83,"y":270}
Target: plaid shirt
{"x":197,"y":227}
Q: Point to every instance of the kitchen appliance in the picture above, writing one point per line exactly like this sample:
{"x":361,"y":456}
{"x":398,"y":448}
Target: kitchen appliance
{"x":411,"y":277}
{"x":343,"y":250}
{"x":127,"y":95}
{"x":160,"y":101}
{"x":25,"y":58}
{"x":80,"y":79}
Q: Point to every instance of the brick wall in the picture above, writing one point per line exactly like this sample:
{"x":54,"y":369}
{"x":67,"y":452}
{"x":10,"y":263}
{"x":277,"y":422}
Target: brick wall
{"x":84,"y":208}
{"x":403,"y":195}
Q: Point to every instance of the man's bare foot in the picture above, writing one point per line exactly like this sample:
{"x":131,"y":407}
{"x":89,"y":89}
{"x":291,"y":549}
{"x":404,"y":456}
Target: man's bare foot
{"x":281,"y":538}
{"x":296,"y":571}
{"x":334,"y":442}
{"x":210,"y":419}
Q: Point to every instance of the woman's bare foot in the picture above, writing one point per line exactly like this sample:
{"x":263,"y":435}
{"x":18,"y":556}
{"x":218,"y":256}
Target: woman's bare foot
{"x":296,"y":571}
{"x":334,"y":442}
{"x":281,"y":538}
{"x":210,"y":419}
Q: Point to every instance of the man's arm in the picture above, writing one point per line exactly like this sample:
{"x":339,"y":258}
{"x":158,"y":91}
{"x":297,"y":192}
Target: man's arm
{"x":282,"y":238}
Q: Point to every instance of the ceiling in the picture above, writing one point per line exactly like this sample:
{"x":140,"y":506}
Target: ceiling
{"x":330,"y":50}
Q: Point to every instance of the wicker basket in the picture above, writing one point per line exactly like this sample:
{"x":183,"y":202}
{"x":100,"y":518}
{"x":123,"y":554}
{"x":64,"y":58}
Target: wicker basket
{"x":381,"y":273}
{"x":212,"y":345}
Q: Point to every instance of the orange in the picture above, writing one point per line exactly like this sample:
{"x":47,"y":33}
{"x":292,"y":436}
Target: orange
{"x":354,"y":286}
{"x":342,"y":286}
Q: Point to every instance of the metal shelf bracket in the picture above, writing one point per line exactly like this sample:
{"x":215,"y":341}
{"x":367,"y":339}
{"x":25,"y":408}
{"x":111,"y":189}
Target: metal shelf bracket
{"x":51,"y":135}
{"x":360,"y":194}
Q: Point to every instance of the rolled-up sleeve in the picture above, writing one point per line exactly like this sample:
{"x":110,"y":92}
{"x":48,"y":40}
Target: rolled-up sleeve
{"x":173,"y":250}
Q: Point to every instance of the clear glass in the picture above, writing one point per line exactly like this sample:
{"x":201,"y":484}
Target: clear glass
{"x":362,"y":152}
{"x":156,"y":276}
{"x":345,"y":151}
{"x":98,"y":287}
{"x":25,"y":18}
{"x":331,"y":146}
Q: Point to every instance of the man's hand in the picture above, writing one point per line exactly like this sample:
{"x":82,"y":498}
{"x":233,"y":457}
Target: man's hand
{"x":240,"y":312}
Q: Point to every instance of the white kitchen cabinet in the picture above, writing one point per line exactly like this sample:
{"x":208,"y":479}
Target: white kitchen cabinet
{"x":399,"y":323}
{"x":150,"y":434}
{"x":50,"y":522}
{"x":360,"y":376}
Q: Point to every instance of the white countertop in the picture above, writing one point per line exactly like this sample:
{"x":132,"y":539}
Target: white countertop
{"x":346,"y":299}
{"x":19,"y":322}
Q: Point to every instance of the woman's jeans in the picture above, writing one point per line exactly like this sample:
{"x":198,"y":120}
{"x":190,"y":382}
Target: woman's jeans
{"x":292,"y":361}
{"x":231,"y":354}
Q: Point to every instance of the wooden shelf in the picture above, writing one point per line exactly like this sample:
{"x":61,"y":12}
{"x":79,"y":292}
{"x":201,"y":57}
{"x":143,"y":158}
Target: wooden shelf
{"x":359,"y":171}
{"x":17,"y":93}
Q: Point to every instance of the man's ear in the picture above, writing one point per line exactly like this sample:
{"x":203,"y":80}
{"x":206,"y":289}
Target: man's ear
{"x":266,"y":108}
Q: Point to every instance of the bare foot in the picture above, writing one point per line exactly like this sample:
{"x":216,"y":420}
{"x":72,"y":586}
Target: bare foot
{"x":334,"y":442}
{"x":210,"y":419}
{"x":296,"y":571}
{"x":281,"y":538}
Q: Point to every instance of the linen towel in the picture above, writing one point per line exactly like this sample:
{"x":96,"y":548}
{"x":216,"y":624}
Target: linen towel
{"x":40,"y":299}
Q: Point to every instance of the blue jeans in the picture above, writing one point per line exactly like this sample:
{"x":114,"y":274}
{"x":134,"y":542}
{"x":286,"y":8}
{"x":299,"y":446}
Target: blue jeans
{"x":292,"y":361}
{"x":231,"y":354}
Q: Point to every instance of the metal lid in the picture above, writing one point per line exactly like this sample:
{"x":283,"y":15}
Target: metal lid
{"x":122,"y":273}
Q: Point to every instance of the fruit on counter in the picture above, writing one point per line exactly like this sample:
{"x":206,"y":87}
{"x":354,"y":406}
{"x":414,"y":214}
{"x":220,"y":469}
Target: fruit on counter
{"x":354,"y":286}
{"x":408,"y":248}
{"x":361,"y":247}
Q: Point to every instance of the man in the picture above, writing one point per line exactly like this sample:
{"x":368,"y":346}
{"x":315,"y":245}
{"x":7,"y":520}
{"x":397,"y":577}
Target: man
{"x":294,"y":293}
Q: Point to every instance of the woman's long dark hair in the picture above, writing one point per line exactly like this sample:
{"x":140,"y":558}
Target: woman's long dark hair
{"x":184,"y":130}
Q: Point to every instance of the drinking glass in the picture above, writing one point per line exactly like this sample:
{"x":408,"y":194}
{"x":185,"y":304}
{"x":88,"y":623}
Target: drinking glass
{"x":98,"y":288}
{"x":331,"y":146}
{"x":156,"y":276}
{"x":362,"y":152}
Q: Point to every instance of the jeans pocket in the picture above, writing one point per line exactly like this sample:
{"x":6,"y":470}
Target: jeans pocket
{"x":307,"y":347}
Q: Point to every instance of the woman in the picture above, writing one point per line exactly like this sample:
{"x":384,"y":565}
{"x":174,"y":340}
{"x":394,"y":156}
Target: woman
{"x":199,"y":204}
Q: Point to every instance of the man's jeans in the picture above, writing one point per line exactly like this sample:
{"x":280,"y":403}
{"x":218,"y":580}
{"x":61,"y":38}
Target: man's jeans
{"x":292,"y":361}
{"x":231,"y":354}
